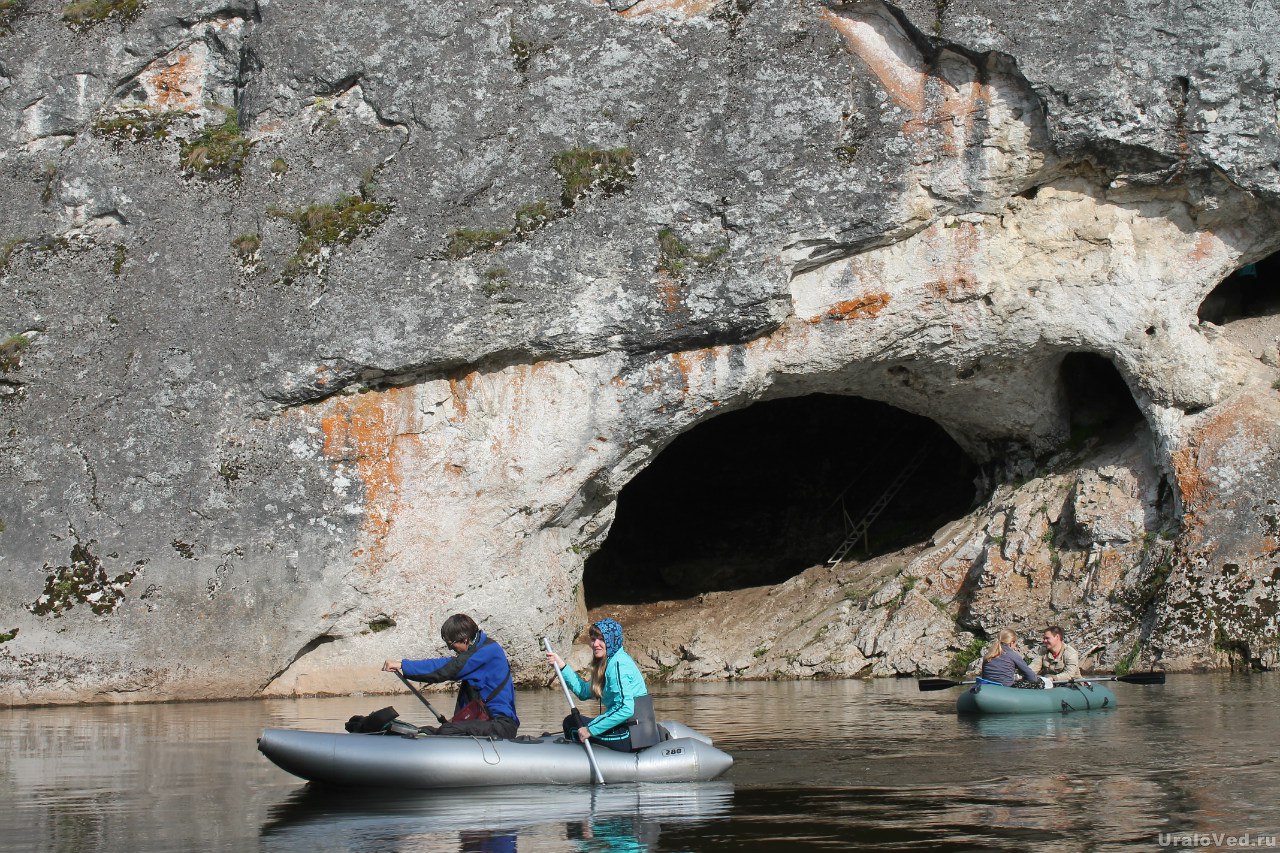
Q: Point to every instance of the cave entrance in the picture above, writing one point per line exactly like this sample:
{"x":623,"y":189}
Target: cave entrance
{"x":1099,"y":401}
{"x":1251,"y":291}
{"x":753,"y":497}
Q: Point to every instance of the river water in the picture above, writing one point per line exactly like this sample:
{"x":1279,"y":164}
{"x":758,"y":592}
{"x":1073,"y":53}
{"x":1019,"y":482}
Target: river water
{"x":831,"y":765}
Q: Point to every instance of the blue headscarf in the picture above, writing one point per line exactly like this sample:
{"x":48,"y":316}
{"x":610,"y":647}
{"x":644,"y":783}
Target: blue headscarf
{"x":611,"y":631}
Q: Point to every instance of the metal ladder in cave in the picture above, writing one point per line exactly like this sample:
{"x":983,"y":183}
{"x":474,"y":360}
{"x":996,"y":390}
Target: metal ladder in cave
{"x":859,"y":530}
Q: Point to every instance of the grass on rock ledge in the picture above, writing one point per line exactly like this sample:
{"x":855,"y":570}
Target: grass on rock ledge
{"x":325,"y":225}
{"x":88,"y":13}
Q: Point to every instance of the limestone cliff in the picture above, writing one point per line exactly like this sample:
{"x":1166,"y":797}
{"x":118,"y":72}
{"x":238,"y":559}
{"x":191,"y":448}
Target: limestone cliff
{"x":321,"y":321}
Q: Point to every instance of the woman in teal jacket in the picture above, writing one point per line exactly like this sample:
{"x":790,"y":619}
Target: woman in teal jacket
{"x":627,"y":723}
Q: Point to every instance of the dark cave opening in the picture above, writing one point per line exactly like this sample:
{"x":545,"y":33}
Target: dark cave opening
{"x":1251,"y":291}
{"x":1098,"y":399}
{"x":755,"y":496}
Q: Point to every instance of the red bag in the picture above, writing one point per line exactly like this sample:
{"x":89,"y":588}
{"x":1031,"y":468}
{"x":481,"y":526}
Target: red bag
{"x":473,"y":710}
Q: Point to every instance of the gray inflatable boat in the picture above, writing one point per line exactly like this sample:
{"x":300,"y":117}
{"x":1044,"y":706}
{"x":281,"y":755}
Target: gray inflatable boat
{"x":391,"y":761}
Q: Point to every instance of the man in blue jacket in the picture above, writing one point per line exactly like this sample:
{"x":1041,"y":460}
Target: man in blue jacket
{"x":480,"y":665}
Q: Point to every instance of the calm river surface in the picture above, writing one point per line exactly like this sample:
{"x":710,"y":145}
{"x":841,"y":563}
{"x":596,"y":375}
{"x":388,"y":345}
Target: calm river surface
{"x":820,"y":766}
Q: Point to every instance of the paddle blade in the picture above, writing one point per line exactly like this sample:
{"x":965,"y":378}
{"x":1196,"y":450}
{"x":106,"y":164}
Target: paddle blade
{"x":1142,"y":678}
{"x":937,"y":683}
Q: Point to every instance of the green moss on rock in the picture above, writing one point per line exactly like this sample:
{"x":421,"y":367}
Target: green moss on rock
{"x":530,"y":217}
{"x":11,"y":354}
{"x":136,"y":124}
{"x":586,"y":170}
{"x":88,"y":13}
{"x":676,"y":258}
{"x":964,"y":658}
{"x":246,"y":246}
{"x":467,"y":241}
{"x":10,"y":11}
{"x":325,"y":225}
{"x":496,"y":280}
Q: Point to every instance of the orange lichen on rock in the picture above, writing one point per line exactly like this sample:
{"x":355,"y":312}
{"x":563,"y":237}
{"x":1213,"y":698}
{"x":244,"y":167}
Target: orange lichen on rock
{"x":957,"y":245}
{"x":688,"y":363}
{"x":933,"y":100}
{"x":868,"y":305}
{"x":362,"y":430}
{"x":1206,"y":242}
{"x":1192,"y":486}
{"x":669,"y":290}
{"x":175,"y":82}
{"x":901,"y":75}
{"x":957,"y":113}
{"x":460,"y":389}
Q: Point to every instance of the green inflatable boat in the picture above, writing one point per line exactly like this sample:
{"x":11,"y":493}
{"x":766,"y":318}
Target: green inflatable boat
{"x":1061,"y":699}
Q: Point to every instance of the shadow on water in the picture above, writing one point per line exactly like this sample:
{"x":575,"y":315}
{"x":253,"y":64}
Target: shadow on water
{"x":627,"y":817}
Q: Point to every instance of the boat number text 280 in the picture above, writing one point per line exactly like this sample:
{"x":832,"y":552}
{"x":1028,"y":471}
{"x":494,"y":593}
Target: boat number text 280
{"x":676,"y":751}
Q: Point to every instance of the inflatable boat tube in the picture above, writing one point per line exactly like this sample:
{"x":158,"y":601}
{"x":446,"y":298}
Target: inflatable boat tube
{"x":1061,"y":699}
{"x":424,"y":762}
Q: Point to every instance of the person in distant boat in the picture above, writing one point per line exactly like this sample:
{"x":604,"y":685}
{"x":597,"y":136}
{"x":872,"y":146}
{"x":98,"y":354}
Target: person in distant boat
{"x":480,"y":666}
{"x":1001,"y":664}
{"x":1057,"y":660}
{"x":626,"y":723}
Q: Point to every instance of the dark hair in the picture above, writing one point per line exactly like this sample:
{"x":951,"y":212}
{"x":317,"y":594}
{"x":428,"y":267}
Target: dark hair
{"x":459,"y":628}
{"x":1054,"y":629}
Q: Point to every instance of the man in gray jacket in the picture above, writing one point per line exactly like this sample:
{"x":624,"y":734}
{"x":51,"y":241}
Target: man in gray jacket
{"x":1056,"y":659}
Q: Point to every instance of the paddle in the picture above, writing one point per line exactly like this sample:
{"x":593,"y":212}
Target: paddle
{"x":1131,"y":678}
{"x":577,"y":717}
{"x":418,"y":693}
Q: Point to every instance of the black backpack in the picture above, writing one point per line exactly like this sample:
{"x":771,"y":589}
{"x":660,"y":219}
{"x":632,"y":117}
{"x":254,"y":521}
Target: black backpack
{"x":378,"y":721}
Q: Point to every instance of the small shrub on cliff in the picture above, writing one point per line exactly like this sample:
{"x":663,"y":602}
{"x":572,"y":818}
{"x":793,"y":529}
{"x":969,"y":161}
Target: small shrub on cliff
{"x":7,"y":250}
{"x":964,"y":658}
{"x":523,"y":51}
{"x":531,"y":217}
{"x":585,"y":170}
{"x":325,"y":225}
{"x":675,"y":257}
{"x":582,"y":171}
{"x":468,"y":241}
{"x":1126,"y":663}
{"x":136,"y":124}
{"x":11,"y":352}
{"x":87,"y":13}
{"x":246,"y":246}
{"x":496,"y":280}
{"x":218,"y":149}
{"x":846,"y":154}
{"x":10,"y":11}
{"x":8,"y":635}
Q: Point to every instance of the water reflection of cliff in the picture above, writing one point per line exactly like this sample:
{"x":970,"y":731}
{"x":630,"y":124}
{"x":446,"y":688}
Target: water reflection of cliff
{"x":609,"y":819}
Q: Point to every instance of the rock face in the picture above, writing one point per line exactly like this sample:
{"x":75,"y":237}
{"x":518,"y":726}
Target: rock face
{"x":323,"y":321}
